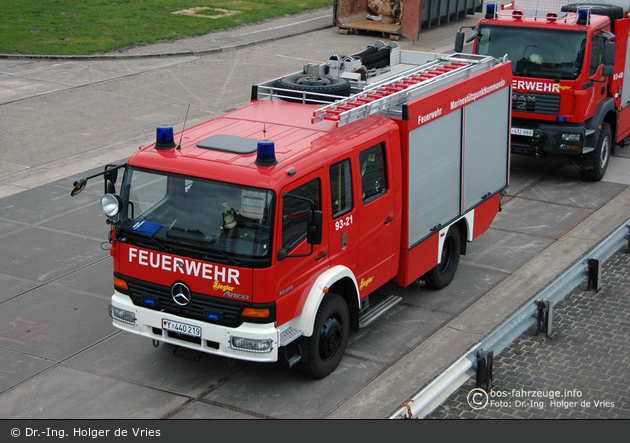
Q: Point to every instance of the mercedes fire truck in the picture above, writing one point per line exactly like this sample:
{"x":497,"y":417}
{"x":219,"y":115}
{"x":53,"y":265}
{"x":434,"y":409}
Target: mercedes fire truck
{"x":264,"y":234}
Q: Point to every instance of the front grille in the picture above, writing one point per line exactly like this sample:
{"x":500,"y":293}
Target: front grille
{"x":228,"y":311}
{"x":536,"y":102}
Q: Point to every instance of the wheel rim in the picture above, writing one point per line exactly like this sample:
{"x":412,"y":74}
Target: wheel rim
{"x":313,"y":81}
{"x":330,"y":338}
{"x":603,"y":155}
{"x":447,"y":257}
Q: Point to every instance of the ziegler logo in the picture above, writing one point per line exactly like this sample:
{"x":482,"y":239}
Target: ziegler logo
{"x":365,"y":283}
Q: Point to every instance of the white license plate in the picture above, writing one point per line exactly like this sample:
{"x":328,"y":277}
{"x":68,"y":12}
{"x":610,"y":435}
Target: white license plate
{"x":521,"y":131}
{"x":182,"y":328}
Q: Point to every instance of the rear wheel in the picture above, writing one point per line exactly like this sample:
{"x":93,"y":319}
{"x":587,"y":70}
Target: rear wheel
{"x":442,"y":274}
{"x":324,"y":349}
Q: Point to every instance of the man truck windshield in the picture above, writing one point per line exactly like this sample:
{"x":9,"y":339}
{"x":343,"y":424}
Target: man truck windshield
{"x":192,"y":214}
{"x":540,"y":53}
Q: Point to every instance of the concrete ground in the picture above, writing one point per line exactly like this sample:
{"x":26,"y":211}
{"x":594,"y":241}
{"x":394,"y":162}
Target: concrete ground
{"x":61,"y":119}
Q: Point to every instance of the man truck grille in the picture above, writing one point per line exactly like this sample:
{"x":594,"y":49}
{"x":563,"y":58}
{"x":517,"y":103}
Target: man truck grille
{"x":536,"y":102}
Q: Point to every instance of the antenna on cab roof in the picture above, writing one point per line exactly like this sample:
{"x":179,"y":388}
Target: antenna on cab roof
{"x":179,"y":146}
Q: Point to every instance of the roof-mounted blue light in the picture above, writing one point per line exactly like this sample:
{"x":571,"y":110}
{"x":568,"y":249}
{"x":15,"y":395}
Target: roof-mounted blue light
{"x":491,"y":10}
{"x":164,"y":138}
{"x":584,"y":17}
{"x":266,"y":153}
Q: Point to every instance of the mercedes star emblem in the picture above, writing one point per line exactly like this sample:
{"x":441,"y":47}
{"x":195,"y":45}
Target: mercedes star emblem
{"x":181,"y":293}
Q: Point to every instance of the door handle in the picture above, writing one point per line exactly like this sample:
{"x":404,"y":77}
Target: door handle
{"x":389,"y":220}
{"x":324,"y":254}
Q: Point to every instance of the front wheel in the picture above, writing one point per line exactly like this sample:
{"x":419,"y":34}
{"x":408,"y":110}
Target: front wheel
{"x":442,"y":274}
{"x":599,"y":158}
{"x":325,"y":347}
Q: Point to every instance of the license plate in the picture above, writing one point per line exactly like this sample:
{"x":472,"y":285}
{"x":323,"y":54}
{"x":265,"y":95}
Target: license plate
{"x":182,"y":328}
{"x":521,"y":131}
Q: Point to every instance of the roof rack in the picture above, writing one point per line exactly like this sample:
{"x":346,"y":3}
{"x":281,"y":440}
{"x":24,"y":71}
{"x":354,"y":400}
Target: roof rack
{"x":392,"y":92}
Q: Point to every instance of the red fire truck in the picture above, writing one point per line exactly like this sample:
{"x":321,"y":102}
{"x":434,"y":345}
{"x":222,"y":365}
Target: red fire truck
{"x":568,"y":63}
{"x":264,"y":234}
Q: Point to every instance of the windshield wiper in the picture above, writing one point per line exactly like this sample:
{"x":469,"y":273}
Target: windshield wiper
{"x":141,"y":237}
{"x":198,"y":238}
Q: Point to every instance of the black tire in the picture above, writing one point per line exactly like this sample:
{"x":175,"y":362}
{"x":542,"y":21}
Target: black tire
{"x":442,"y":274}
{"x":613,"y":12}
{"x":322,"y":84}
{"x":324,"y":349}
{"x":600,"y":158}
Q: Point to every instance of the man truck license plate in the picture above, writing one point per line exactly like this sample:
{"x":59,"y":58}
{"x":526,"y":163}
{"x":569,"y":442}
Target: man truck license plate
{"x":521,"y":131}
{"x":182,"y":328}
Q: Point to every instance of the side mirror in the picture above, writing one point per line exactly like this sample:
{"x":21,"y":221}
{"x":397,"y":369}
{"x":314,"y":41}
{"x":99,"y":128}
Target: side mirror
{"x":460,"y":36}
{"x":110,"y":176}
{"x":315,"y":227}
{"x":608,"y":71}
{"x":609,"y":53}
{"x":78,"y":186}
{"x":459,"y":41}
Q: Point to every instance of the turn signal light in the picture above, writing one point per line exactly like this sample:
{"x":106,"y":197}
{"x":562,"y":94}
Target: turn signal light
{"x":120,"y":283}
{"x":256,"y":313}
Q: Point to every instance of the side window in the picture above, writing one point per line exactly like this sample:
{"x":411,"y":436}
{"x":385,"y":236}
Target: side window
{"x":341,"y":188}
{"x":373,"y":178}
{"x":295,"y":213}
{"x":597,"y":53}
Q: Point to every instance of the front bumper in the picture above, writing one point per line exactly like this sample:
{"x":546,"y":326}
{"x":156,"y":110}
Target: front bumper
{"x":540,"y":139}
{"x":215,"y":339}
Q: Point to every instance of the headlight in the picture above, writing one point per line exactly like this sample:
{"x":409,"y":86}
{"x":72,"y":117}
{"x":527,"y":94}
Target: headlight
{"x":251,"y":345}
{"x":571,"y":137}
{"x":111,"y":204}
{"x":122,"y":315}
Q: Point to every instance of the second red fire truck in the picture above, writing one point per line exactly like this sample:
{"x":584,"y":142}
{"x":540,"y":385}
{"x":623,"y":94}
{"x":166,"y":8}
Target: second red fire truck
{"x":569,"y":61}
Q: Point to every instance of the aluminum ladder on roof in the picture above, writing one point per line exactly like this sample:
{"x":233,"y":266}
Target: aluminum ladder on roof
{"x":408,"y":86}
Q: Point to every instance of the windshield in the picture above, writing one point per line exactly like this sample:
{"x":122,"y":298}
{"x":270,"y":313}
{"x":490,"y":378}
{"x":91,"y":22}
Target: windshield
{"x":212,"y":220}
{"x":541,"y":53}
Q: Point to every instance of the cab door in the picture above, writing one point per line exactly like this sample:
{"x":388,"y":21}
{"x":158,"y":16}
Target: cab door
{"x":344,"y":232}
{"x":378,"y":245}
{"x":299,"y":263}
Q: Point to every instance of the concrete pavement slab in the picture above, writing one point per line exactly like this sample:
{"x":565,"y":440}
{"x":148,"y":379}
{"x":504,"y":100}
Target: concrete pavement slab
{"x":63,"y":324}
{"x":470,"y":283}
{"x":18,"y":367}
{"x":66,"y":393}
{"x":573,"y":193}
{"x":285,"y":394}
{"x":409,"y":324}
{"x":44,"y":255}
{"x":534,"y":217}
{"x":139,"y":362}
{"x":198,"y":410}
{"x":94,"y":279}
{"x":46,"y":203}
{"x":12,"y":286}
{"x":504,"y":251}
